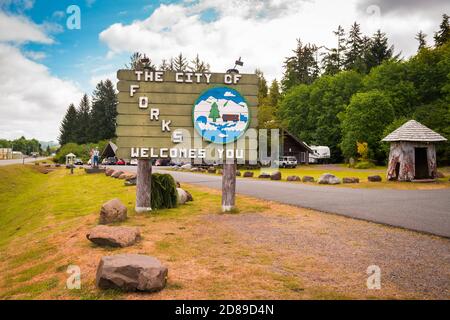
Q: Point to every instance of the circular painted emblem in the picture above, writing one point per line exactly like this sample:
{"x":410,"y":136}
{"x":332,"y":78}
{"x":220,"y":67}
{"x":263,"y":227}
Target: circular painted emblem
{"x":221,"y":115}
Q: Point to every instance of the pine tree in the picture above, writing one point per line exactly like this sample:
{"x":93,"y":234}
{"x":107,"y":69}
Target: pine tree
{"x":274,"y":94}
{"x":214,"y":112}
{"x":420,"y":36}
{"x":198,"y":65}
{"x":334,"y":60}
{"x":165,"y":66}
{"x":443,"y":35}
{"x":378,"y":50}
{"x":104,"y":113}
{"x":180,"y":63}
{"x":355,"y":47}
{"x":302,"y":67}
{"x":83,"y":121}
{"x":139,"y":61}
{"x":262,"y":87}
{"x":68,"y":126}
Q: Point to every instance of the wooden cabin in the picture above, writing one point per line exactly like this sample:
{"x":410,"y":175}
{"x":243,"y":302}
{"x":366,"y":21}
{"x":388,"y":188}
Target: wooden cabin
{"x":292,"y":146}
{"x":412,"y":153}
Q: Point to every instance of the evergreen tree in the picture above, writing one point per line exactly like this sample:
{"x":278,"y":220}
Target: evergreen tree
{"x":443,"y":35}
{"x":355,"y":48}
{"x":420,"y":37}
{"x":83,"y":121}
{"x":139,"y":61}
{"x":378,"y":50}
{"x":180,"y":63}
{"x":165,"y":66}
{"x":214,"y":112}
{"x":68,"y":126}
{"x":198,"y":65}
{"x":302,"y":67}
{"x":333,"y":60}
{"x":262,"y":87}
{"x":274,"y":94}
{"x":104,"y":113}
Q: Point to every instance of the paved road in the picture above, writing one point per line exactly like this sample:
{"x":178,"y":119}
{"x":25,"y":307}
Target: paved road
{"x":19,"y":161}
{"x":421,"y":210}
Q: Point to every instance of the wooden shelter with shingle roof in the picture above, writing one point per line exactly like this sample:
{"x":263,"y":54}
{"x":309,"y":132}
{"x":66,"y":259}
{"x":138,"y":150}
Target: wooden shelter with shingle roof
{"x":412,"y":154}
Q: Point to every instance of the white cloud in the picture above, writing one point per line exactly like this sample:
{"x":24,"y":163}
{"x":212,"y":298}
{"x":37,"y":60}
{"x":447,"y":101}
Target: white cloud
{"x":262,"y":32}
{"x":35,"y":55}
{"x":33,"y":101}
{"x":19,"y":29}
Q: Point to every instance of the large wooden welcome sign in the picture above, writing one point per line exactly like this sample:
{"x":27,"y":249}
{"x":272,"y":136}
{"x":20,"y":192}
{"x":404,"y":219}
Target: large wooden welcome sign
{"x":185,"y":114}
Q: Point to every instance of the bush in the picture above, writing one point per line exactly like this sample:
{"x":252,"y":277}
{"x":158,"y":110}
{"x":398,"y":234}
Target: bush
{"x":80,"y":150}
{"x":164,"y":191}
{"x":364,"y":165}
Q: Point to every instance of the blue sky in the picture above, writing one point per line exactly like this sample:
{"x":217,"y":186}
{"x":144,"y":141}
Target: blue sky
{"x":45,"y":66}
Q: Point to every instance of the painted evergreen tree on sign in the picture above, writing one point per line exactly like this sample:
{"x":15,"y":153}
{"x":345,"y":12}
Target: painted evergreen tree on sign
{"x":214,"y":112}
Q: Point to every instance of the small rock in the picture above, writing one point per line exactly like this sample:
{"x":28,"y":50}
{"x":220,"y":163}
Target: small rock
{"x":264,"y":175}
{"x":350,"y":180}
{"x":109,"y":172}
{"x":374,"y":178}
{"x":182,"y":196}
{"x":248,"y":174}
{"x":131,"y":272}
{"x":114,"y":236}
{"x":328,"y":178}
{"x":238,"y":173}
{"x":211,"y":170}
{"x":186,"y":166}
{"x":116,"y":174}
{"x":122,"y":176}
{"x":293,"y":178}
{"x":275,"y":176}
{"x":130,"y":182}
{"x":308,"y":179}
{"x":113,"y":211}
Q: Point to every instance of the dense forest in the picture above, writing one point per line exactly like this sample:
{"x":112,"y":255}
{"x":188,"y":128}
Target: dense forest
{"x":360,"y":91}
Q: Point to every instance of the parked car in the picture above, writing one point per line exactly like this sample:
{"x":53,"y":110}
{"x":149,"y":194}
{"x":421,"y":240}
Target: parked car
{"x":162,"y":162}
{"x":120,"y":162}
{"x":286,"y":162}
{"x":78,"y":161}
{"x":109,"y":161}
{"x":320,"y":154}
{"x":133,"y":162}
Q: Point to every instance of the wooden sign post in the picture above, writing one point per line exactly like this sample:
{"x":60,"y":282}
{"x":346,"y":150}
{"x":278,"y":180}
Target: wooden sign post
{"x":228,"y":186}
{"x":143,"y":186}
{"x":184,"y":115}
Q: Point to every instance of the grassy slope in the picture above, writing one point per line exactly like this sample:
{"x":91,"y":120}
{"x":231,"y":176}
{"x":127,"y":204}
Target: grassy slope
{"x":44,"y":219}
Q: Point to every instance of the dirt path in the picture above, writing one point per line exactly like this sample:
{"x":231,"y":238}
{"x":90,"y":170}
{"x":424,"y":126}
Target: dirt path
{"x":336,"y":252}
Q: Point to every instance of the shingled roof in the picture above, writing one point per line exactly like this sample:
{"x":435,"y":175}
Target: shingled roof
{"x":414,"y":131}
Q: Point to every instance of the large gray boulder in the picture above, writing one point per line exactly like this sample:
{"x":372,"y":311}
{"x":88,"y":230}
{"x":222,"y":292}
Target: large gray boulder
{"x":109,"y":171}
{"x":293,"y":178}
{"x":113,"y":211}
{"x":114,"y":236}
{"x":328,"y":178}
{"x":131,"y":272}
{"x":308,"y":179}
